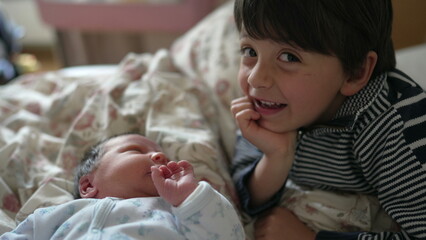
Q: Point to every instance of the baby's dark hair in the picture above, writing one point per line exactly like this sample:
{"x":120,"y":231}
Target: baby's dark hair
{"x":347,"y":29}
{"x":90,"y":161}
{"x":88,"y":164}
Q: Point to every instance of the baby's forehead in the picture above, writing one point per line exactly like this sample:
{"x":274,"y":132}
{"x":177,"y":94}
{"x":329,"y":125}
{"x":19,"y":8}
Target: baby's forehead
{"x":131,"y":140}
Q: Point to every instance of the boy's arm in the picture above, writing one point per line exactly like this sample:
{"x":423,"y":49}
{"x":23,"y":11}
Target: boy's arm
{"x":174,"y":181}
{"x":268,"y":177}
{"x":281,"y":222}
{"x":278,"y":150}
{"x":245,"y":160}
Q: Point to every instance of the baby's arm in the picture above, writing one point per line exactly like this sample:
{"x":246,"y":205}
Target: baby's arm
{"x":25,"y":230}
{"x":174,"y":181}
{"x":207,"y":214}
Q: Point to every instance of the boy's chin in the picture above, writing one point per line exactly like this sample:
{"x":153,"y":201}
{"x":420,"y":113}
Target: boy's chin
{"x":275,"y":127}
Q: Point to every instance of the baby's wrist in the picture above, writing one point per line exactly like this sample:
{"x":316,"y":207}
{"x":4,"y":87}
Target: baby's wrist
{"x":191,"y":188}
{"x":192,"y":195}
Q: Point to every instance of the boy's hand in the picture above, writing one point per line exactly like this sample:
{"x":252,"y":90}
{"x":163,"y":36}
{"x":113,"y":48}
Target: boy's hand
{"x":281,"y":222}
{"x":278,"y":152}
{"x":174,"y":181}
{"x":267,"y":141}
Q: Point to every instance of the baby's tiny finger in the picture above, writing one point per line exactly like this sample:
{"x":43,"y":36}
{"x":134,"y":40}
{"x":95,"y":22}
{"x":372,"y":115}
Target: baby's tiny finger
{"x":173,"y":167}
{"x":155,"y":173}
{"x":186,"y":166}
{"x":166,"y":171}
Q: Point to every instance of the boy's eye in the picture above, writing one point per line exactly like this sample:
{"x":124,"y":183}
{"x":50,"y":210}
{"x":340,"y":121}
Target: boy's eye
{"x":248,"y":52}
{"x":288,"y":57}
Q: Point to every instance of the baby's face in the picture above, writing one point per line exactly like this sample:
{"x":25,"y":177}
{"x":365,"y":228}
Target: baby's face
{"x":125,"y":168}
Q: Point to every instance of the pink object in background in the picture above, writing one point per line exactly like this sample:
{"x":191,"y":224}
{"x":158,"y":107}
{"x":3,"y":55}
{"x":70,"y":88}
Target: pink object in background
{"x":131,"y":16}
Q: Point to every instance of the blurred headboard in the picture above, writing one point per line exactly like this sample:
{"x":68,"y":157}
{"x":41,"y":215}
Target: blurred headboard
{"x":412,"y":60}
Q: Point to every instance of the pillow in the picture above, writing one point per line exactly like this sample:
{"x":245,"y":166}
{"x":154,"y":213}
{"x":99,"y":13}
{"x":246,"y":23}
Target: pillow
{"x":209,"y":52}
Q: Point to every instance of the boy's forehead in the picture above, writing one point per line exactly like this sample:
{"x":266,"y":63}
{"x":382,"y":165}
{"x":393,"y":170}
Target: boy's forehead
{"x":243,"y":33}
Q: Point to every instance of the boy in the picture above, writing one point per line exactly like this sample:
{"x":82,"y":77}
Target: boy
{"x":120,"y":180}
{"x":325,"y":107}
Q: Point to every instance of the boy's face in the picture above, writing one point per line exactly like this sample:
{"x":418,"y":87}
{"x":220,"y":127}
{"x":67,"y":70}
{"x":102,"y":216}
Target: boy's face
{"x":125,"y":168}
{"x":289,"y":87}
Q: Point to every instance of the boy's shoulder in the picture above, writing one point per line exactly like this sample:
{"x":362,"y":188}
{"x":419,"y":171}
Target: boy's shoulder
{"x":392,"y":95}
{"x":404,"y":92}
{"x":400,"y":99}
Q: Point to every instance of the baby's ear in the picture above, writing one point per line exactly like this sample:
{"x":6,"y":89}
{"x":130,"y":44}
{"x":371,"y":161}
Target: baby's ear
{"x":355,"y":83}
{"x":86,"y":188}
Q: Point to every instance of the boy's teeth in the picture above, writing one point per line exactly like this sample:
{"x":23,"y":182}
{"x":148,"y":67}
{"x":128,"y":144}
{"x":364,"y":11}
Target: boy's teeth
{"x":270,"y":104}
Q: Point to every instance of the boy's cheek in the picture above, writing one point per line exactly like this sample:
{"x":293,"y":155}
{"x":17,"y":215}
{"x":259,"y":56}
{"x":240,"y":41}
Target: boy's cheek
{"x":242,"y":80}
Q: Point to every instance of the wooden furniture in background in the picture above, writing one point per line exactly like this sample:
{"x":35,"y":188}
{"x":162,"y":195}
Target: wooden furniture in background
{"x":409,"y":26}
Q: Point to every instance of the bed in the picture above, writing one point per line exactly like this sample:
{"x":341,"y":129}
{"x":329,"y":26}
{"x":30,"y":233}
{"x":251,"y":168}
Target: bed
{"x":178,"y":96}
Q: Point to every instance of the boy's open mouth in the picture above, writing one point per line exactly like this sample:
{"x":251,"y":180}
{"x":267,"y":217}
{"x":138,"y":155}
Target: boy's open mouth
{"x":268,"y":105}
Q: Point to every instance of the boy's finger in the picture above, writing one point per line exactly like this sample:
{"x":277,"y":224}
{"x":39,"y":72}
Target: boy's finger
{"x":246,"y":119}
{"x":238,"y":107}
{"x":240,"y":100}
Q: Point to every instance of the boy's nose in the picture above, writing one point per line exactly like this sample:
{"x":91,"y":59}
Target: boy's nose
{"x":159,"y":158}
{"x":260,"y":76}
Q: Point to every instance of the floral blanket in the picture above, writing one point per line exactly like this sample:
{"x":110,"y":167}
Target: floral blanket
{"x":49,"y":120}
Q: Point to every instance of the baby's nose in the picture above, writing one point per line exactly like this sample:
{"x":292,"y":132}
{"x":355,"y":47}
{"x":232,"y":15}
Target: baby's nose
{"x":159,"y":158}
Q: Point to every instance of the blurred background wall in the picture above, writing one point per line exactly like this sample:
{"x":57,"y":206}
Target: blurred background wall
{"x":59,"y":48}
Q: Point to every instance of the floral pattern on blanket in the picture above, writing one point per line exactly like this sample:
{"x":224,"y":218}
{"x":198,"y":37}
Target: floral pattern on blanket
{"x":49,"y":120}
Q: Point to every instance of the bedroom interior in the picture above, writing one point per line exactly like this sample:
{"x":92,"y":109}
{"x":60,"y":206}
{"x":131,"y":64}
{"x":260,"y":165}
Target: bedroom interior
{"x":92,"y":83}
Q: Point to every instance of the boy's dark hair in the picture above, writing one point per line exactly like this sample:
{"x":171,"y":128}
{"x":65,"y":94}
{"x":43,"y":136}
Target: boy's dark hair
{"x":347,"y":29}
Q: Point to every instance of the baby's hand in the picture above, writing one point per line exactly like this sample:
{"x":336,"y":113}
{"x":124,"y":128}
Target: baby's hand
{"x":174,"y":181}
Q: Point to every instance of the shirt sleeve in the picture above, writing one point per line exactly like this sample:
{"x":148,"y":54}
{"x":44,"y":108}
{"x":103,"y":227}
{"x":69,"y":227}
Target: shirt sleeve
{"x":245,"y":160}
{"x":206,"y":214}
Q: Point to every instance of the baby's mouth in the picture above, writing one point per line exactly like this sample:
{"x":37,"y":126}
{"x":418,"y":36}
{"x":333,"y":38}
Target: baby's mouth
{"x":268,"y":105}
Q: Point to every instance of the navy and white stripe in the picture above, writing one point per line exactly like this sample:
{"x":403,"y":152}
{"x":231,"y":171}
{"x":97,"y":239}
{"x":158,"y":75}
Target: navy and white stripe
{"x":375,"y":145}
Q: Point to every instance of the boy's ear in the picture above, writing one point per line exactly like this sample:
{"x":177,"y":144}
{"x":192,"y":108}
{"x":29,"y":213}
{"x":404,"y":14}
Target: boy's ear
{"x":354,"y":84}
{"x":86,"y":188}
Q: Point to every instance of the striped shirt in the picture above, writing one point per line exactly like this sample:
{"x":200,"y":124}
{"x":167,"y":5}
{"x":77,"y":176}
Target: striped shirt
{"x":376,"y":145}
